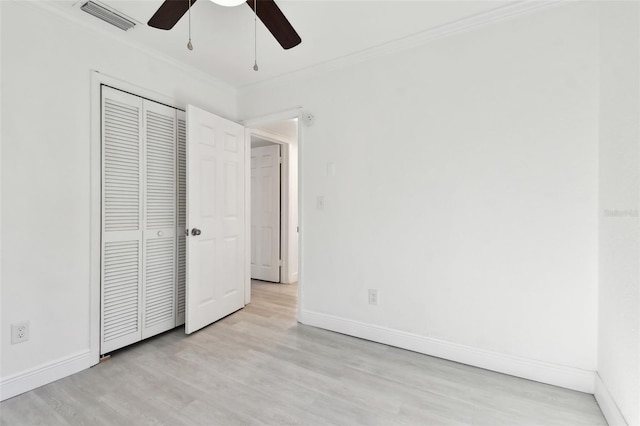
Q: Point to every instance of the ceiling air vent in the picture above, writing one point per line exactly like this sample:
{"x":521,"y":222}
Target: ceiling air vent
{"x":107,"y":15}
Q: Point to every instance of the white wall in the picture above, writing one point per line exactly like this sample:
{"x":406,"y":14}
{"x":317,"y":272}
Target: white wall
{"x":46,"y":175}
{"x":619,"y":247}
{"x":465,"y":192}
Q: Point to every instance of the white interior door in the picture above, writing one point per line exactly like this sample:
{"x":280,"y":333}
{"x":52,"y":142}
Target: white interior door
{"x":122,"y":206}
{"x":265,"y":213}
{"x":215,"y":218}
{"x":159,"y":224}
{"x":139,"y":219}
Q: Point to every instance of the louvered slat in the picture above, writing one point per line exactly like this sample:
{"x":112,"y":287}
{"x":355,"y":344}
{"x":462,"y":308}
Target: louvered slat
{"x":182,"y":220}
{"x":121,"y":271}
{"x":159,"y":281}
{"x":121,"y":166}
{"x":160,"y":171}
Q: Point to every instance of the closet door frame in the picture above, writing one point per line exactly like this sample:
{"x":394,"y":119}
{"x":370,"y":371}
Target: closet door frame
{"x":97,"y":81}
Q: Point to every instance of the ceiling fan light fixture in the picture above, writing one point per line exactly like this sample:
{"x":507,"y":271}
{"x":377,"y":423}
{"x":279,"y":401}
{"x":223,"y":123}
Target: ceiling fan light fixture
{"x":170,"y":12}
{"x":228,"y":3}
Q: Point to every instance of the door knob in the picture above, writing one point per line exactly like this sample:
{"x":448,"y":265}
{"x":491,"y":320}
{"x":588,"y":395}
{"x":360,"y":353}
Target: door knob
{"x":195,"y":232}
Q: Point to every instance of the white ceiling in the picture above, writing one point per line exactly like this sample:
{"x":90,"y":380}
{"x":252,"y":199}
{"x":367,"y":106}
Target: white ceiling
{"x":287,"y":129}
{"x":257,"y":142}
{"x":330,"y":29}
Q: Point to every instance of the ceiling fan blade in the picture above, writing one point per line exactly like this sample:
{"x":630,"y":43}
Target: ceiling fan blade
{"x":169,"y":14}
{"x":275,"y":21}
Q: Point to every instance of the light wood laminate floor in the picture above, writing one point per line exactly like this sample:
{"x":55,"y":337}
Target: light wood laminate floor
{"x":258,"y":366}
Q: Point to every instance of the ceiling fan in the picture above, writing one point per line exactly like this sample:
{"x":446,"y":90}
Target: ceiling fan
{"x":268,"y":11}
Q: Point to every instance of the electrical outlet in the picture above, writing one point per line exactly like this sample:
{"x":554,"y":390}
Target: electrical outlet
{"x":373,"y":296}
{"x":19,"y":332}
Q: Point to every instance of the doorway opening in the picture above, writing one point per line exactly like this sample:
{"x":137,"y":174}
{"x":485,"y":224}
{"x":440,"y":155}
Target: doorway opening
{"x":274,"y":202}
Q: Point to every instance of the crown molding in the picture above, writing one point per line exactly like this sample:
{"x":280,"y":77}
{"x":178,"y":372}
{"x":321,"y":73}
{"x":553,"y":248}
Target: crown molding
{"x":47,"y":7}
{"x":396,"y":46}
{"x":406,"y":43}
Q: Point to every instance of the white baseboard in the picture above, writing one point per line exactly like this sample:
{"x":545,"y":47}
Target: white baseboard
{"x":43,"y":374}
{"x":608,"y":405}
{"x":557,"y":375}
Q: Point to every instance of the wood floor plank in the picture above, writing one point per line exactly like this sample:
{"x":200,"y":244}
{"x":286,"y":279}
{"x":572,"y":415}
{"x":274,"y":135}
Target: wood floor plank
{"x":260,"y":367}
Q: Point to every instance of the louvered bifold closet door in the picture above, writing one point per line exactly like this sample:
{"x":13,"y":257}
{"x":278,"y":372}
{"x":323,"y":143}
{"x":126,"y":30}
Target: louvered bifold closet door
{"x":182,"y":218}
{"x":160,"y":219}
{"x":121,"y":293}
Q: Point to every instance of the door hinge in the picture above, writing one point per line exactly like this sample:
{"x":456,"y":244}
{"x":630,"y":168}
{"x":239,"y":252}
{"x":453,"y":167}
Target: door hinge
{"x":279,"y":262}
{"x":280,"y":159}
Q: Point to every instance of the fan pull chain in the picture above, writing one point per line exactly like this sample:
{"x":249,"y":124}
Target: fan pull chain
{"x":189,"y":45}
{"x":255,"y":35}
